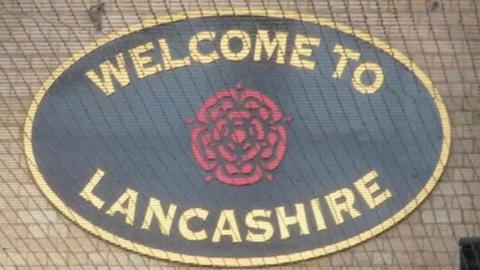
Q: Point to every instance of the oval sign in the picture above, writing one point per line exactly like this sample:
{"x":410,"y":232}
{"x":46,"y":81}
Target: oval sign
{"x":237,"y":139}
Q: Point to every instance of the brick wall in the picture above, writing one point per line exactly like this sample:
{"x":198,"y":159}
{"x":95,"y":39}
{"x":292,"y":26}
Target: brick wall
{"x":442,"y":37}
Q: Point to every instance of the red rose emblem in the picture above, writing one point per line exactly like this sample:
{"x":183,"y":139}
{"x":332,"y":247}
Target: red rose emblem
{"x":239,"y":136}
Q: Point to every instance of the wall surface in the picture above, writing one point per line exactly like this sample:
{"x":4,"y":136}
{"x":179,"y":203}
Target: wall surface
{"x":442,"y":37}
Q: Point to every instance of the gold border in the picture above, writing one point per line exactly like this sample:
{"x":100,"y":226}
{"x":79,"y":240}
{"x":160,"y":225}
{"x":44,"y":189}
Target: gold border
{"x":230,"y":261}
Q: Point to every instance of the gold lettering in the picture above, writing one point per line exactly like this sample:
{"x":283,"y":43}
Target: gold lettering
{"x":185,"y":231}
{"x":345,"y":55}
{"x":130,"y":198}
{"x":195,"y":52}
{"x":108,"y":70}
{"x":227,"y":217}
{"x":140,"y":60}
{"x":225,"y":45}
{"x":168,"y":62}
{"x":264,"y":225}
{"x":300,"y":51}
{"x":284,"y":221}
{"x":367,"y":191}
{"x":87,"y":192}
{"x":317,"y":214}
{"x":344,"y":206}
{"x":164,"y":220}
{"x":368,"y":88}
{"x":263,"y":41}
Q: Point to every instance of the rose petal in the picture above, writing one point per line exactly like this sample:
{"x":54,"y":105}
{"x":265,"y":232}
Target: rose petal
{"x":218,"y":129}
{"x":266,"y":153}
{"x":272,"y":138}
{"x":238,"y":135}
{"x":227,"y":105}
{"x":251,"y":104}
{"x":239,"y":115}
{"x":210,"y":153}
{"x":225,"y":153}
{"x":247,"y":168}
{"x":259,"y":129}
{"x":264,"y":113}
{"x":231,"y":168}
{"x":251,"y":152}
{"x":198,"y":149}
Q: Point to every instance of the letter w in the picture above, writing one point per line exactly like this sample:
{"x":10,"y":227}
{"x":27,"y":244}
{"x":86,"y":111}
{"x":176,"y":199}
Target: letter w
{"x":108,"y":70}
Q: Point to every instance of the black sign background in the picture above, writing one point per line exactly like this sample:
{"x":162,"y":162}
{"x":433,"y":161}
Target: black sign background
{"x":139,"y":137}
